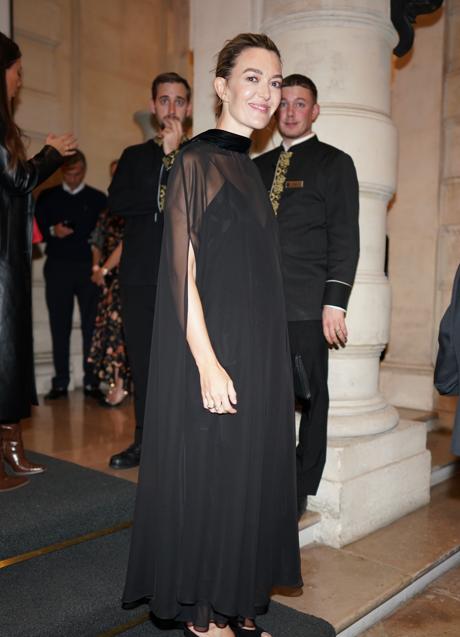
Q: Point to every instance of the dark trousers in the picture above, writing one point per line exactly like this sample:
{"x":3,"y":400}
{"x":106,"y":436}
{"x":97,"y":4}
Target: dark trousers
{"x":138,"y":310}
{"x":66,"y":280}
{"x":307,"y":339}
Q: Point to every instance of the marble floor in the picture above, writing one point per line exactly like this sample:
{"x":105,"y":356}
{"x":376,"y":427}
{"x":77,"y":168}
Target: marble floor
{"x":341,"y":585}
{"x":433,"y":613}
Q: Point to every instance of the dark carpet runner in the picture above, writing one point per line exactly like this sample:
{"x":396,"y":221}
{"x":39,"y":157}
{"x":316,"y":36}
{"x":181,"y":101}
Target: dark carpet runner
{"x":75,"y":591}
{"x":64,"y":502}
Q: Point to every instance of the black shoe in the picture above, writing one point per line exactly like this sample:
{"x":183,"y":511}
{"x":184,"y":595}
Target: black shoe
{"x":126,"y":459}
{"x":93,"y":391}
{"x":302,"y":502}
{"x":54,"y":394}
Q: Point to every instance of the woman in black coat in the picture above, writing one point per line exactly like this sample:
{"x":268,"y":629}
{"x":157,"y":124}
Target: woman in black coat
{"x":18,"y":177}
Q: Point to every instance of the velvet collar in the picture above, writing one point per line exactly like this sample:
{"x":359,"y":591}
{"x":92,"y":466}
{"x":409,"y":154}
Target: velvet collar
{"x":226,"y":140}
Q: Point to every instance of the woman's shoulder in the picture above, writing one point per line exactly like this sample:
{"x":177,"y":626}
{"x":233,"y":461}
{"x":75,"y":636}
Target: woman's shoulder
{"x":195,"y":154}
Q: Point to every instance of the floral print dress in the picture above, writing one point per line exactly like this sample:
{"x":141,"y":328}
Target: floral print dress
{"x":108,"y":349}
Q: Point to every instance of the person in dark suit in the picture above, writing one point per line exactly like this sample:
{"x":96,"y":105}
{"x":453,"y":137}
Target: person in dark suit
{"x":446,"y":372}
{"x":137,"y":193}
{"x":67,"y":215}
{"x":313,"y":188}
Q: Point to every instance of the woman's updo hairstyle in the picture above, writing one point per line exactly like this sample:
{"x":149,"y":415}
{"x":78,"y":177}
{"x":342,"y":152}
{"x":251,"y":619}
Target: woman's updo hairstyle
{"x":233,"y":48}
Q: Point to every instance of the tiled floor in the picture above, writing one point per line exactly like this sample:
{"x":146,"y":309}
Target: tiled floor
{"x":340,"y":584}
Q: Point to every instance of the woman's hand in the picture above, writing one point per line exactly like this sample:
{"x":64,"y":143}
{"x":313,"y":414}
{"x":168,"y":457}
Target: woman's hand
{"x":217,"y":390}
{"x":97,"y":276}
{"x":66,"y":144}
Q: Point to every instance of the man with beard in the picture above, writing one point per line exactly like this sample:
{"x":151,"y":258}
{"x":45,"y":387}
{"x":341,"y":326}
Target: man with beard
{"x":314,"y":192}
{"x":136,"y":193}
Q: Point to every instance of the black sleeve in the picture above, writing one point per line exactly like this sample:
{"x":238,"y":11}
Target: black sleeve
{"x":23,"y":178}
{"x":128,"y":194}
{"x":342,"y":218}
{"x":41,"y":213}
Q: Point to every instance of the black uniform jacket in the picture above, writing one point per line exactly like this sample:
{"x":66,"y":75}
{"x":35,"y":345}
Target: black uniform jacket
{"x":17,"y":386}
{"x":134,"y":194}
{"x":315,"y":194}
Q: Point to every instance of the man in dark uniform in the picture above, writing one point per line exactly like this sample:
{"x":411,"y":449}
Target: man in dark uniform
{"x":67,"y":215}
{"x":136,"y":193}
{"x":314,"y":192}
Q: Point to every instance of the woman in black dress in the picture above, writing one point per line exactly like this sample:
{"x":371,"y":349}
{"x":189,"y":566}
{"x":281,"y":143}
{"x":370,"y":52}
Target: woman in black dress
{"x":18,"y":177}
{"x":216,"y":518}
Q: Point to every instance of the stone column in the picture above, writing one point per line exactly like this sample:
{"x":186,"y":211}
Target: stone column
{"x":376,"y":470}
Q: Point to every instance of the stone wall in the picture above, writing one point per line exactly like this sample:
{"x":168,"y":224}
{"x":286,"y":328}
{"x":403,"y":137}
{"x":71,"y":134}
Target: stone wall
{"x":413,"y":218}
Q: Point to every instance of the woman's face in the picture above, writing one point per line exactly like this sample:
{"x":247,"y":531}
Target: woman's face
{"x":252,"y":93}
{"x":13,"y":79}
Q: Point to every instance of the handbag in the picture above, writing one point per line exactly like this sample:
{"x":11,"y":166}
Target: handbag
{"x":301,"y":384}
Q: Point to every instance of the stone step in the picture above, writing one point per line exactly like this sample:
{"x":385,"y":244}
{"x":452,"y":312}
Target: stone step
{"x":307,"y":526}
{"x":444,"y":465}
{"x":387,"y":607}
{"x":355,"y":586}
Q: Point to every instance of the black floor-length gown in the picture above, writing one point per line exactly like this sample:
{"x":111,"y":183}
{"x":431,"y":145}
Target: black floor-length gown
{"x":216,"y":516}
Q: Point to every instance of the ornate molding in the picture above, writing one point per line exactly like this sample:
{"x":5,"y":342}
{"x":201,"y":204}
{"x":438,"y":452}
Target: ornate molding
{"x":324,"y":17}
{"x":403,"y":15}
{"x":375,"y":191}
{"x":355,"y":110}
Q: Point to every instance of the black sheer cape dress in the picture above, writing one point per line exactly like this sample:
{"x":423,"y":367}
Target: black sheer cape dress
{"x":215,"y":525}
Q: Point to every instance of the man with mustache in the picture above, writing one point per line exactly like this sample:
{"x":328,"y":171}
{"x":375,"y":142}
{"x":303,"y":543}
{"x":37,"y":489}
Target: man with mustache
{"x":314,"y":192}
{"x":137,"y":193}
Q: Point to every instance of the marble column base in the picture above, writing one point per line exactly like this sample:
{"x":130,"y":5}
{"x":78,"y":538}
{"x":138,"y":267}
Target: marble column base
{"x":370,"y":481}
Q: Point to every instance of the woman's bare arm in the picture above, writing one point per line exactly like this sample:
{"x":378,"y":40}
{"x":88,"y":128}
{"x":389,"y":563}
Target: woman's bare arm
{"x":217,"y":390}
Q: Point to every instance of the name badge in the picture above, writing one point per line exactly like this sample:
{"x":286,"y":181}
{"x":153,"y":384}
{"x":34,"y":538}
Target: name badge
{"x":297,"y":183}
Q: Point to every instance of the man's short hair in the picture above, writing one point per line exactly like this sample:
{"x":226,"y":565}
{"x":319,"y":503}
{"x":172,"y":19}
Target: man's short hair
{"x":171,"y":78}
{"x":76,"y":158}
{"x":296,"y":79}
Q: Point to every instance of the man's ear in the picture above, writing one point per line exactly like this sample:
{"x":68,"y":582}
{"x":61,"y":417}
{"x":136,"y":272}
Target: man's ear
{"x":315,"y":112}
{"x":220,"y":86}
{"x":152,"y":107}
{"x":188,"y":112}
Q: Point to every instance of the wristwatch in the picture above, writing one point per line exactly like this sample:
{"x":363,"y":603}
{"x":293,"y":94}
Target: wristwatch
{"x":105,"y":271}
{"x":52,"y":231}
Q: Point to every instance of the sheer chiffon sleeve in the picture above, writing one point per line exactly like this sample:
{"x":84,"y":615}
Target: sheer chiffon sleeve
{"x":193,"y":183}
